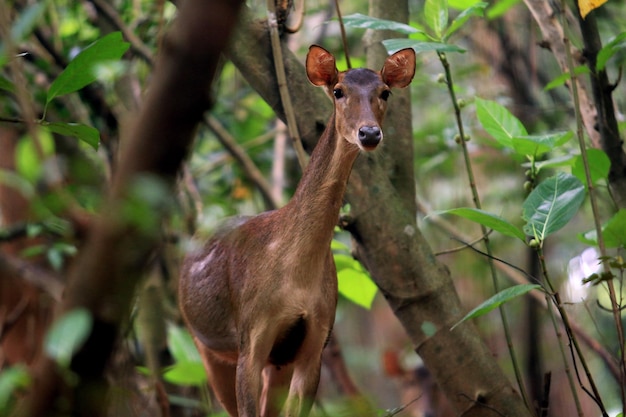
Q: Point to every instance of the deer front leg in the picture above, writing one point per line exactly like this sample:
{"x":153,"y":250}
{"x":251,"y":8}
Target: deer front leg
{"x":248,"y":385}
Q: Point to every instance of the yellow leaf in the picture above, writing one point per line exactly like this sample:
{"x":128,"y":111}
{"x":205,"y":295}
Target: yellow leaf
{"x":586,"y":6}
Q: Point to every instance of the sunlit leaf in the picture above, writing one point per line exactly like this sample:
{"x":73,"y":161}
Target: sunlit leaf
{"x":552,"y":204}
{"x":361,"y":21}
{"x":499,"y":8}
{"x":67,"y":335}
{"x":611,"y":48}
{"x":12,"y":378}
{"x":394,"y":45}
{"x":477,"y":9}
{"x":586,"y":6}
{"x":489,"y":220}
{"x":181,"y":345}
{"x":536,"y":145}
{"x":85,"y":133}
{"x":499,"y":122}
{"x":599,"y":166}
{"x":186,"y":374}
{"x":462,"y":4}
{"x":436,"y":16}
{"x":497,"y":300}
{"x":355,"y":283}
{"x":29,"y":156}
{"x":613,"y":232}
{"x":80,"y":71}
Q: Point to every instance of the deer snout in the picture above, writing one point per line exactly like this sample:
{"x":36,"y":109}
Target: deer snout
{"x":370,"y":137}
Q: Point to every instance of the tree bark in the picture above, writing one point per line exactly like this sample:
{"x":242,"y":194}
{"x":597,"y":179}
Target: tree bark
{"x":418,"y":287}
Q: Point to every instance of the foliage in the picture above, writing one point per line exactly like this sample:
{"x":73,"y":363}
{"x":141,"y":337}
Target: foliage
{"x":547,"y":212}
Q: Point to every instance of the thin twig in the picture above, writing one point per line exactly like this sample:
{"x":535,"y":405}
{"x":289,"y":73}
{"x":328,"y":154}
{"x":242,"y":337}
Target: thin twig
{"x":344,"y":38}
{"x":475,"y":196}
{"x":283,"y":87}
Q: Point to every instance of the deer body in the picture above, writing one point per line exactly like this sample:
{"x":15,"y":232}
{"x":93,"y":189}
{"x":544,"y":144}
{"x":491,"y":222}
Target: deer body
{"x":260,"y":296}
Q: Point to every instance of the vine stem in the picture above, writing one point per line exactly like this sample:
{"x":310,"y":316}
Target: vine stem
{"x":476,"y":198}
{"x":596,"y":215}
{"x":556,"y":299}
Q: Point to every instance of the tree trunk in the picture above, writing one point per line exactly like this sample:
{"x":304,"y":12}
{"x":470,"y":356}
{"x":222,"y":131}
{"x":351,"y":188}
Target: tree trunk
{"x":418,"y":288}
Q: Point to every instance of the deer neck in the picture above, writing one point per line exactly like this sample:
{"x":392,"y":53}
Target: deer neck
{"x":319,"y":196}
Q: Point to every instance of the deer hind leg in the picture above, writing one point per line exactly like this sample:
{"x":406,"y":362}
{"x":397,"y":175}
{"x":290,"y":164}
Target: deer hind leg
{"x":222,"y":377}
{"x":275,"y":389}
{"x":306,"y":375}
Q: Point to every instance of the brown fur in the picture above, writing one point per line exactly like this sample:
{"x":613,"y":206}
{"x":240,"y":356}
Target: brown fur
{"x":260,"y":296}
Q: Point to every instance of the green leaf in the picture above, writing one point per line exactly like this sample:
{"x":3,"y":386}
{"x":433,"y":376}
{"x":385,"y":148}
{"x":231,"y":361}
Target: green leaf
{"x":500,"y":8}
{"x":497,"y":300}
{"x":613,"y":232}
{"x":80,"y":71}
{"x":499,"y":122}
{"x":354,"y":281}
{"x":181,"y":345}
{"x":477,"y":9}
{"x":6,"y":85}
{"x":610,"y":49}
{"x":552,"y":205}
{"x":536,"y":145}
{"x":12,"y":378}
{"x":85,"y":133}
{"x":186,"y":374}
{"x":394,"y":45}
{"x":599,"y":166}
{"x":559,"y":161}
{"x":67,"y":335}
{"x":436,"y":16}
{"x":462,"y":4}
{"x":488,"y":220}
{"x":28,"y":161}
{"x":565,"y":77}
{"x":361,"y":21}
{"x":27,"y":20}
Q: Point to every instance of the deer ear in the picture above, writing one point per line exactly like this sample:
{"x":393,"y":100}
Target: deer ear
{"x":399,"y":68}
{"x":320,"y":66}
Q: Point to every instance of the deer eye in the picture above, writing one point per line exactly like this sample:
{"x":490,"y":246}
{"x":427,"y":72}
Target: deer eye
{"x":338,"y":92}
{"x":385,"y":95}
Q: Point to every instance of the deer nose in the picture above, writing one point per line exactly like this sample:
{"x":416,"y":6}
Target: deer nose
{"x":370,"y":136}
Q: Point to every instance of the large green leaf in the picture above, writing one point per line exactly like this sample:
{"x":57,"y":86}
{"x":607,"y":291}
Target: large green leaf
{"x":85,"y":133}
{"x":354,"y":282}
{"x":362,"y":21}
{"x":181,"y":346}
{"x":497,"y":300}
{"x":613,"y":232}
{"x":80,"y":71}
{"x":499,"y":122}
{"x":552,"y":204}
{"x":599,"y":166}
{"x":30,"y":156}
{"x":488,"y":220}
{"x":394,"y":45}
{"x":67,"y":335}
{"x":436,"y":16}
{"x":536,"y":145}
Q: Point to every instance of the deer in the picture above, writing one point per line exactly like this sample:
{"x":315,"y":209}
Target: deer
{"x":259,"y":296}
